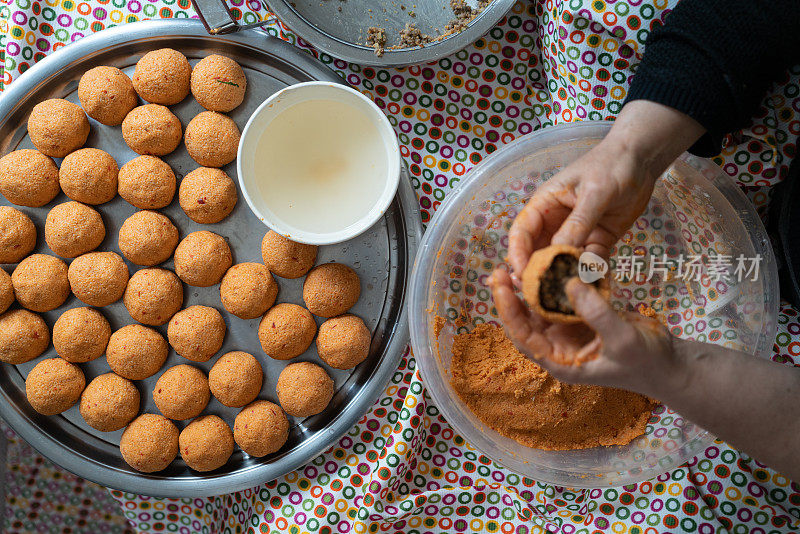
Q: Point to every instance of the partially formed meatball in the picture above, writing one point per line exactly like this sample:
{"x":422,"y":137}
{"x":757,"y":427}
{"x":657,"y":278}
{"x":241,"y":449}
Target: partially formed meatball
{"x":107,"y":95}
{"x":41,"y":283}
{"x":72,"y":229}
{"x":98,"y":278}
{"x":287,"y":258}
{"x":152,"y":129}
{"x":109,"y":402}
{"x":206,"y":443}
{"x":236,"y":379}
{"x":148,"y":238}
{"x":23,"y":336}
{"x":286,"y":331}
{"x":136,"y":352}
{"x":153,"y":296}
{"x":197,"y":333}
{"x":17,"y":235}
{"x":6,"y":291}
{"x":150,"y":443}
{"x":343,"y":342}
{"x":202,"y":258}
{"x":207,"y":195}
{"x":162,"y":76}
{"x":212,"y":139}
{"x":218,"y":83}
{"x":28,"y":178}
{"x":304,"y":389}
{"x":331,"y":289}
{"x":57,"y":127}
{"x":54,"y":385}
{"x":89,"y":175}
{"x":248,"y":290}
{"x":147,"y":182}
{"x":181,"y":392}
{"x":261,"y":428}
{"x":81,"y":335}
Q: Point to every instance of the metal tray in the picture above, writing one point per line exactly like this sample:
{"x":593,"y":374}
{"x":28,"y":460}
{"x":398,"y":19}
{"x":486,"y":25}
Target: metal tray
{"x":382,"y":257}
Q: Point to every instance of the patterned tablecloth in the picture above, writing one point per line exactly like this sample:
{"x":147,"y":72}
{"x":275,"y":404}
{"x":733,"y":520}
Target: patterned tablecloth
{"x":402,"y":468}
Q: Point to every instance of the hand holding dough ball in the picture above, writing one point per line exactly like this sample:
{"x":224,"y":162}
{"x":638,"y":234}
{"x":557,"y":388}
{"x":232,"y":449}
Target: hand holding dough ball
{"x":152,"y":130}
{"x":150,"y":443}
{"x":207,"y":195}
{"x":98,"y":278}
{"x":23,"y":336}
{"x":212,"y":139}
{"x":147,"y":183}
{"x":109,"y":402}
{"x":236,"y":379}
{"x":331,"y":289}
{"x":206,"y":443}
{"x":218,"y":83}
{"x":107,"y":95}
{"x":287,"y":258}
{"x":72,"y":229}
{"x":54,"y":385}
{"x":162,"y":76}
{"x":286,"y":331}
{"x":89,"y":175}
{"x":343,"y":342}
{"x":181,"y":392}
{"x":28,"y":178}
{"x":304,"y":389}
{"x":148,"y":238}
{"x":57,"y":127}
{"x":248,"y":290}
{"x":261,"y":428}
{"x":202,"y":258}
{"x":41,"y":283}
{"x":197,"y":333}
{"x":17,"y":235}
{"x":136,"y":352}
{"x":6,"y":291}
{"x":153,"y":296}
{"x":81,"y":335}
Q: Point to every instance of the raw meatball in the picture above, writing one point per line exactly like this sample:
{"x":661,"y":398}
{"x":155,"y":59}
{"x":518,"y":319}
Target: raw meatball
{"x":162,"y":76}
{"x":343,"y":342}
{"x":202,"y":258}
{"x":136,"y":352}
{"x":207,"y":195}
{"x":54,"y":385}
{"x":89,"y":175}
{"x":153,"y":296}
{"x":107,"y":95}
{"x":147,"y":182}
{"x":181,"y":392}
{"x":248,"y":290}
{"x":23,"y":336}
{"x":6,"y":291}
{"x":150,"y":443}
{"x":287,"y":258}
{"x":28,"y":178}
{"x":17,"y":235}
{"x":81,"y":335}
{"x":57,"y":127}
{"x":109,"y":402}
{"x":261,"y":428}
{"x":331,"y":289}
{"x":98,"y":278}
{"x":41,"y":283}
{"x":218,"y":83}
{"x":196,"y":333}
{"x":212,"y":139}
{"x":286,"y":331}
{"x":148,"y":238}
{"x":206,"y":443}
{"x":72,"y":229}
{"x":236,"y":379}
{"x":152,"y":129}
{"x":304,"y":389}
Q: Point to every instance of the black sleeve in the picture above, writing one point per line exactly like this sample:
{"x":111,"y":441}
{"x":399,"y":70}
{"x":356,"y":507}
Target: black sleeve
{"x":715,"y":60}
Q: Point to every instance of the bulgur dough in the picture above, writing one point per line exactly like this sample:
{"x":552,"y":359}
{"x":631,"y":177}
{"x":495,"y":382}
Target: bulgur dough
{"x":28,"y":178}
{"x":218,"y":83}
{"x":207,"y":195}
{"x":89,"y":175}
{"x":106,"y":94}
{"x":17,"y":235}
{"x":202,"y":258}
{"x":181,"y":392}
{"x":343,"y":342}
{"x":148,"y":238}
{"x":162,"y":76}
{"x":147,"y":182}
{"x":304,"y":389}
{"x":152,"y":130}
{"x":40,"y":282}
{"x":6,"y":291}
{"x":136,"y":352}
{"x":248,"y":290}
{"x":197,"y":333}
{"x":261,"y":428}
{"x":98,"y":278}
{"x":72,"y":229}
{"x":285,"y":257}
{"x":212,"y":139}
{"x":206,"y":443}
{"x":331,"y":289}
{"x":236,"y":379}
{"x":23,"y":336}
{"x":109,"y":402}
{"x":54,"y":385}
{"x":150,"y":443}
{"x":153,"y":296}
{"x":57,"y":127}
{"x":81,"y":335}
{"x":286,"y":331}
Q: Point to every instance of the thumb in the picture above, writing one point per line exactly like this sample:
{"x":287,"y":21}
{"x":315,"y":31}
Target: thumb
{"x":593,"y":308}
{"x":581,"y":221}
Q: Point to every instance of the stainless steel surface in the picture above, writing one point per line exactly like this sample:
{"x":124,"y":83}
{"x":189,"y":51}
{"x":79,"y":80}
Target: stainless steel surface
{"x":339,"y":27}
{"x":218,"y":19}
{"x":382,"y":257}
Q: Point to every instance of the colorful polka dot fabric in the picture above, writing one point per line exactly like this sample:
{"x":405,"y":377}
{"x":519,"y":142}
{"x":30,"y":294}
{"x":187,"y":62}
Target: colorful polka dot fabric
{"x":402,"y":468}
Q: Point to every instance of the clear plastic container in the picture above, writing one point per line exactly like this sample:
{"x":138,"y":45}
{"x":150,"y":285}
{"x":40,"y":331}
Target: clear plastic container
{"x":696,"y":210}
